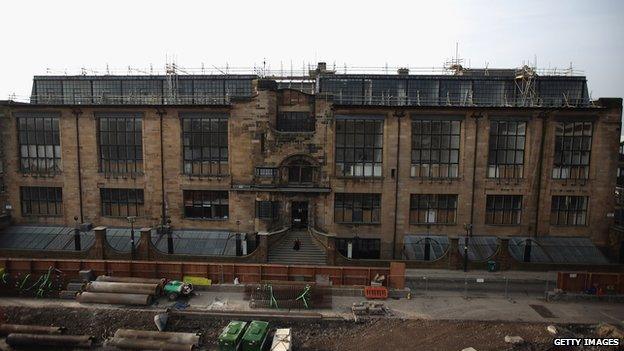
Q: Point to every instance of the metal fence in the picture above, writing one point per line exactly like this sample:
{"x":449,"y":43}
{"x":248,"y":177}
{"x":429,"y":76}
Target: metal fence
{"x":472,"y":286}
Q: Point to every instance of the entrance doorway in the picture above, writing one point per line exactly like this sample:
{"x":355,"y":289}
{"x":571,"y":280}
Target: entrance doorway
{"x":299,"y":214}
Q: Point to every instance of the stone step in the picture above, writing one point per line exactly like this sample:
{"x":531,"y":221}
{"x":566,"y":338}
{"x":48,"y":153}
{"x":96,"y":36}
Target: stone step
{"x":310,"y":253}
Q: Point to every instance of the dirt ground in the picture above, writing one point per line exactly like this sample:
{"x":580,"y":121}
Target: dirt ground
{"x":378,"y":334}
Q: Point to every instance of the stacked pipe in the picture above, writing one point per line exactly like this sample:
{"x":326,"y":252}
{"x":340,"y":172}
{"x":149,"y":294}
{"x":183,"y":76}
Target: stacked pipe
{"x":30,"y":336}
{"x":121,"y":290}
{"x":129,"y":339}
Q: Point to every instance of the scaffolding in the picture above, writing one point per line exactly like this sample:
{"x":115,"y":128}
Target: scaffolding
{"x":451,"y":85}
{"x":525,"y":81}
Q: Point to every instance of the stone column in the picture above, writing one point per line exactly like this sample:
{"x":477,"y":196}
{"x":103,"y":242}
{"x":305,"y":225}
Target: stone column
{"x":263,"y":248}
{"x":454,"y":258}
{"x":145,"y":249}
{"x":502,"y":256}
{"x":99,"y":246}
{"x":331,"y":251}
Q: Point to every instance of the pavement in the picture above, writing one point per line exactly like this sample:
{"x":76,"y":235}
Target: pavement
{"x":450,"y":306}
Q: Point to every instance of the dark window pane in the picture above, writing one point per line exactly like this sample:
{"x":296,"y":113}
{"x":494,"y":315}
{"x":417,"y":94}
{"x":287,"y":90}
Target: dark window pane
{"x":41,"y":201}
{"x":435,"y":148}
{"x":119,"y":202}
{"x":572,"y":150}
{"x":357,"y":208}
{"x":205,"y":141}
{"x":503,"y":209}
{"x":39,"y":142}
{"x":206,"y":204}
{"x":569,"y":210}
{"x":120,"y":142}
{"x":506,"y":149}
{"x":359,"y":147}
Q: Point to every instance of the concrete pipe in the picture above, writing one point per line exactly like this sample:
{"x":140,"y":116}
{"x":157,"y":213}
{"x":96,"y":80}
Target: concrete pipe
{"x":6,"y":329}
{"x":125,"y":288}
{"x":111,"y":298}
{"x":144,"y":344}
{"x":108,"y":278}
{"x":175,"y":338}
{"x":31,"y":340}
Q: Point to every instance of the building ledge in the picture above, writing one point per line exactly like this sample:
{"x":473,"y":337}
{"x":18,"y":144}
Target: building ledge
{"x":281,"y":189}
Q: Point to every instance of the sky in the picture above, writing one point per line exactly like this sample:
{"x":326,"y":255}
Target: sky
{"x":65,"y":36}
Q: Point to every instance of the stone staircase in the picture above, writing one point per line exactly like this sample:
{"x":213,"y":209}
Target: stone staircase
{"x":310,"y":252}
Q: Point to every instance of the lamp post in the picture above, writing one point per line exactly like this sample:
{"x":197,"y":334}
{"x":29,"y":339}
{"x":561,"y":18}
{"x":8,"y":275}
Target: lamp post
{"x":468,"y":228}
{"x":169,"y":237}
{"x":131,"y":220}
{"x":77,"y":245}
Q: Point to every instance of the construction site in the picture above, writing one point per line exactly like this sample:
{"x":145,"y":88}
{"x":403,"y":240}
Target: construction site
{"x":319,"y":208}
{"x":125,"y":305}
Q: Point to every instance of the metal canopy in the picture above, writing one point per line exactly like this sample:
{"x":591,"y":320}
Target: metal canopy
{"x":480,"y":248}
{"x":414,"y":246}
{"x":198,"y":242}
{"x":119,"y":238}
{"x":557,"y":250}
{"x":45,"y":238}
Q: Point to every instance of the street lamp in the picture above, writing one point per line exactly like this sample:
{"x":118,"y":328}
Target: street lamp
{"x":169,"y":237}
{"x":468,"y":228}
{"x":131,"y":220}
{"x":77,"y":245}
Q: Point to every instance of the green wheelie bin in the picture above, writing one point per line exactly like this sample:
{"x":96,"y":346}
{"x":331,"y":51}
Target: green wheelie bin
{"x":256,"y":335}
{"x":232,"y":335}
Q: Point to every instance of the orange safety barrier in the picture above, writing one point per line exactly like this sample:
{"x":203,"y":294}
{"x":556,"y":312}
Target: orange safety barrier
{"x":376,"y":292}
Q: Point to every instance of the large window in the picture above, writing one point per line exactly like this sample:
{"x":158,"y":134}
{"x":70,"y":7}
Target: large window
{"x":360,"y":248}
{"x":433,"y":209}
{"x":435,"y":148}
{"x":506,"y":150}
{"x":359,"y":147}
{"x":357,"y":208}
{"x":122,"y":202}
{"x":572,"y":149}
{"x":503,"y":209}
{"x":268,"y":210}
{"x":206,"y":204}
{"x":300,"y":172}
{"x":295,"y":122}
{"x":41,"y":201}
{"x":569,"y":210}
{"x":205,"y":139}
{"x":39,"y":142}
{"x":121,"y":142}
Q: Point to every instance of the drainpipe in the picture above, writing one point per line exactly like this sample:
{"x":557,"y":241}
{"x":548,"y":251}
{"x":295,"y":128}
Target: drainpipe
{"x":77,"y":113}
{"x":397,"y":114}
{"x":544,"y":118}
{"x":163,"y":214}
{"x":474,"y":167}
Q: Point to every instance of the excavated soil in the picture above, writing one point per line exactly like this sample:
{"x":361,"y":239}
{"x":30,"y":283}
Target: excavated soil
{"x":377,"y":334}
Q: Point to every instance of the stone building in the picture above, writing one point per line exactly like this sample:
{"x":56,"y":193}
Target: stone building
{"x":378,"y":161}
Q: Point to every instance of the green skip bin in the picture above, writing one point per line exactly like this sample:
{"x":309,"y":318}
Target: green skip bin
{"x":231,"y":336}
{"x":256,"y":335}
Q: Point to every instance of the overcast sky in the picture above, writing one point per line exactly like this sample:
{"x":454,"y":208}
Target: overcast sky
{"x":60,"y":35}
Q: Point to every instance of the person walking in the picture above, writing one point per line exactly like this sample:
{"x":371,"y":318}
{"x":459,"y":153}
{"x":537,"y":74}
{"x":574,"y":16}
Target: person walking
{"x":296,"y":245}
